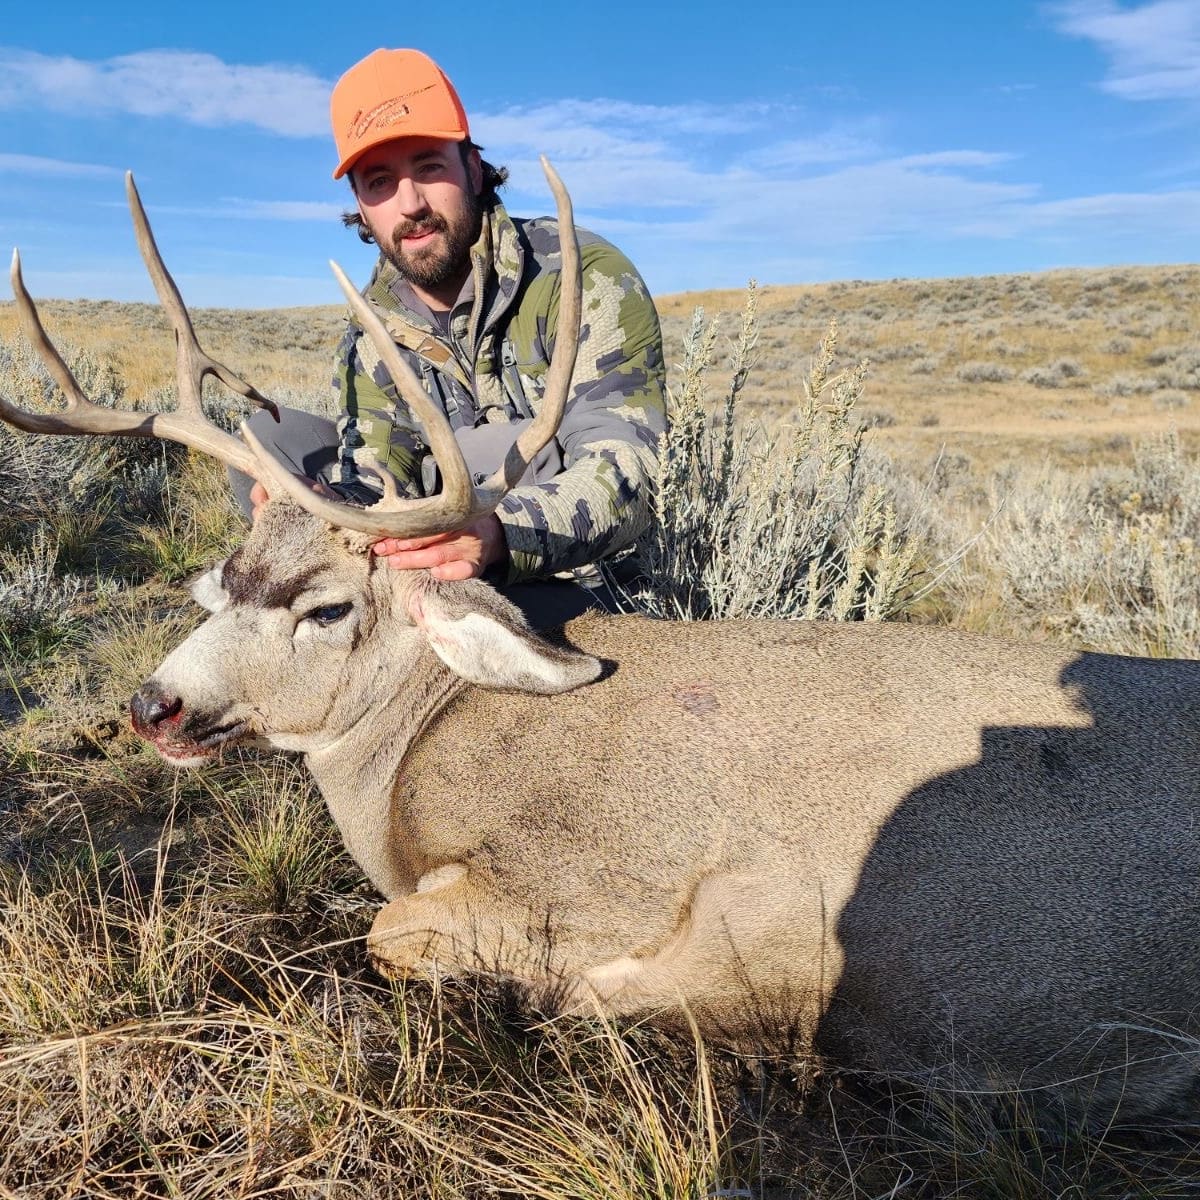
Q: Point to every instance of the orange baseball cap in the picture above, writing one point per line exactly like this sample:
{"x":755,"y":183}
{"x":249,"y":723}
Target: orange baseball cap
{"x":393,"y":94}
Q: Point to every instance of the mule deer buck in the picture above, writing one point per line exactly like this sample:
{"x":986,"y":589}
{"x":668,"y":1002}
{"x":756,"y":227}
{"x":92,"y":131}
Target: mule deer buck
{"x":906,"y":846}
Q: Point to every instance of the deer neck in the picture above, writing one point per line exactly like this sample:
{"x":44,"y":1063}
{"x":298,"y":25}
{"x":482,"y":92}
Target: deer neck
{"x":357,"y":773}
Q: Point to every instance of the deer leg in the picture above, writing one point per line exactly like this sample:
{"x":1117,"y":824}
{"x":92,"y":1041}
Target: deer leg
{"x":726,"y":959}
{"x":451,"y":923}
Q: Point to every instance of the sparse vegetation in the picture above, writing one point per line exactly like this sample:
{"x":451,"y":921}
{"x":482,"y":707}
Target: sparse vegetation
{"x":185,"y":1008}
{"x":758,"y":522}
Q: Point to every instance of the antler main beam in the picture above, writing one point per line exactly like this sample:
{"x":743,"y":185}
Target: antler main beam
{"x":187,"y":424}
{"x":459,"y":502}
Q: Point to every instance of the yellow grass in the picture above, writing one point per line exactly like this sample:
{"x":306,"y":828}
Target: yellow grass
{"x":1016,"y":321}
{"x":1019,"y":322}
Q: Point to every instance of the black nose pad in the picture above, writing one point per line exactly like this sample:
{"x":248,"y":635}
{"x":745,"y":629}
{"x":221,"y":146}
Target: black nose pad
{"x":151,"y":705}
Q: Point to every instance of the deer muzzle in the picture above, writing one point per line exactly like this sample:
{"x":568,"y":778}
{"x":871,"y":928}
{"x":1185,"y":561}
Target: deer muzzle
{"x":183,"y":738}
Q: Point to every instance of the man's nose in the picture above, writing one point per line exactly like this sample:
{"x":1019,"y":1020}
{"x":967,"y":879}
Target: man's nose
{"x":410,"y":198}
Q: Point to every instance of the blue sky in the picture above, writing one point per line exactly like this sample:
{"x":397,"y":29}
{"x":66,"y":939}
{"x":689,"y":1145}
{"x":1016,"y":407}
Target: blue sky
{"x":715,"y":142}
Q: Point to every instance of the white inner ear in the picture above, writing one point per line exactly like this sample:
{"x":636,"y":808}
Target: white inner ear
{"x":487,"y":652}
{"x":207,"y":591}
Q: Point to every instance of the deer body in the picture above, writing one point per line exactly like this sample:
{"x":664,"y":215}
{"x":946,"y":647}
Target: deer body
{"x":889,"y":836}
{"x":902,"y":844}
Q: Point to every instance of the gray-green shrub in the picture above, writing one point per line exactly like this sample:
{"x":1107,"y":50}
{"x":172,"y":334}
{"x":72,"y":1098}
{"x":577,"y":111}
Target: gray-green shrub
{"x":751,"y":521}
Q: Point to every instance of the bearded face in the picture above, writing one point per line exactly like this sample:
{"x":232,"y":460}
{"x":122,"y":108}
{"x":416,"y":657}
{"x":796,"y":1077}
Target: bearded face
{"x":434,"y":250}
{"x":419,"y":197}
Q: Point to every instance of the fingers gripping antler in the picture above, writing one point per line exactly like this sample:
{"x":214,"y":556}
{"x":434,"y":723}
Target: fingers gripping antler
{"x":459,"y":502}
{"x":187,"y":424}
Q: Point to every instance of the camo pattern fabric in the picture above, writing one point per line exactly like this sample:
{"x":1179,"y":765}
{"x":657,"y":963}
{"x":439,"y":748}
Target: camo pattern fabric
{"x":593,"y":501}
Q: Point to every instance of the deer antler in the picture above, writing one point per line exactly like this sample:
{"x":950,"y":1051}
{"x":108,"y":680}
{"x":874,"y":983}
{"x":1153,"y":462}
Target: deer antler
{"x":456,"y":505}
{"x":459,"y":502}
{"x":187,"y":424}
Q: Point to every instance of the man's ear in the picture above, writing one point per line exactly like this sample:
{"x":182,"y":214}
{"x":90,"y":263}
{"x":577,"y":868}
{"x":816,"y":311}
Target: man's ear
{"x":485,"y":639}
{"x":475,"y":171}
{"x":207,"y":589}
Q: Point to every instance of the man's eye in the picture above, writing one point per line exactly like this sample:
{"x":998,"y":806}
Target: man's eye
{"x":327,"y":614}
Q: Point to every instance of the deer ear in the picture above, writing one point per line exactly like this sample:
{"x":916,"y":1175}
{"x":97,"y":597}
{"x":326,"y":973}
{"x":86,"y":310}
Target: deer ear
{"x":485,"y":639}
{"x":208,"y":591}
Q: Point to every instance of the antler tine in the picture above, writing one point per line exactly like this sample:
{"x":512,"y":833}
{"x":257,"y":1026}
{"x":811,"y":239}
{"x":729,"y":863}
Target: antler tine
{"x":193,"y":362}
{"x":545,"y":425}
{"x":456,"y":479}
{"x":83,"y":416}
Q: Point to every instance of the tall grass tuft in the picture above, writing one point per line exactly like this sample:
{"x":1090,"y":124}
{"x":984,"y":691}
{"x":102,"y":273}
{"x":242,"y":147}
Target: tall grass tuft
{"x":1108,"y":558}
{"x":274,"y":840}
{"x":752,"y":521}
{"x":40,"y":609}
{"x":73,"y":485}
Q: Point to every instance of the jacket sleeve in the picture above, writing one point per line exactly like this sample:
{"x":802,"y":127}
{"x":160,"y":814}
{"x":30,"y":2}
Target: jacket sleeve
{"x":373,"y":419}
{"x":615,"y":416}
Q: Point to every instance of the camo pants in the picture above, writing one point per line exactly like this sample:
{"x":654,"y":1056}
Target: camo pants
{"x":308,"y":444}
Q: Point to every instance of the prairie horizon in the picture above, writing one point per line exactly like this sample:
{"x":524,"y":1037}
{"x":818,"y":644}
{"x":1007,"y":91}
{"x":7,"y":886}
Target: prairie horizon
{"x":1070,"y":361}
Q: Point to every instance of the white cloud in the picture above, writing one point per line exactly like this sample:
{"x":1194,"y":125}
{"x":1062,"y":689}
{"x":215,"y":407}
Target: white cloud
{"x":848,"y":203}
{"x":289,"y":210}
{"x":197,"y":88}
{"x":30,"y":164}
{"x":955,"y":158}
{"x":1153,"y":48}
{"x":594,"y":122}
{"x":828,"y":146}
{"x":1154,"y":213}
{"x":613,"y":129}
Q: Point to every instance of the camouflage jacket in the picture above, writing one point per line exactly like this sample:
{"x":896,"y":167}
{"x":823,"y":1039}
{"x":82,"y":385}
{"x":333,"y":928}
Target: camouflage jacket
{"x":587,"y":496}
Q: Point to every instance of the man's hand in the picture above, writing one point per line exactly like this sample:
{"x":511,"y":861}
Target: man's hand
{"x":460,"y":554}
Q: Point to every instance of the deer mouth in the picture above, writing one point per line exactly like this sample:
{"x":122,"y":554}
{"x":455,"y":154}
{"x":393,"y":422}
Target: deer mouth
{"x":196,"y":750}
{"x":216,"y":738}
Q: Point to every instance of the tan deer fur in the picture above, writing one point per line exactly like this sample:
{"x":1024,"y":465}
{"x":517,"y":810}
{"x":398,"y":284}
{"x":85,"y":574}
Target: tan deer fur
{"x":909,"y":847}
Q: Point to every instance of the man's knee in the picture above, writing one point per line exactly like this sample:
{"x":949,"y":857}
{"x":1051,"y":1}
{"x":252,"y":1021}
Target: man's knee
{"x":304,"y":442}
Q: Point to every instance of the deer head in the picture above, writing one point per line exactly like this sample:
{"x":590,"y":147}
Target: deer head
{"x":307,"y":632}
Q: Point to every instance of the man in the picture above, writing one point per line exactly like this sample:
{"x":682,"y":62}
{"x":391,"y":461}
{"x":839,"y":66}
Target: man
{"x":470,"y":296}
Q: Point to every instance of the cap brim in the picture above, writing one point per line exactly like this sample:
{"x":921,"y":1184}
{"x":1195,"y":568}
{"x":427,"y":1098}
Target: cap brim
{"x":386,"y":135}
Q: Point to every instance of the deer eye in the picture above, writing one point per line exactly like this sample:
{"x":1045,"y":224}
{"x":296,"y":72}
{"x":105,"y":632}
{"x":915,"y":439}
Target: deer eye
{"x":327,"y":614}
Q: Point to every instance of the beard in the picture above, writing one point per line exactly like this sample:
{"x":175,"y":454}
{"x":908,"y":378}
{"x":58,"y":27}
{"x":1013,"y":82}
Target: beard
{"x":446,"y":258}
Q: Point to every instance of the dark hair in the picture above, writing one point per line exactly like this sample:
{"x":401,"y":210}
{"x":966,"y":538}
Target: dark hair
{"x":494,"y":178}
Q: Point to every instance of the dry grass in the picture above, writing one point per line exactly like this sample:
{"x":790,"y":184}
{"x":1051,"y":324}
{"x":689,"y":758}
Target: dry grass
{"x":1121,"y":333}
{"x":1128,"y":338}
{"x":288,"y":350}
{"x":185,"y":1009}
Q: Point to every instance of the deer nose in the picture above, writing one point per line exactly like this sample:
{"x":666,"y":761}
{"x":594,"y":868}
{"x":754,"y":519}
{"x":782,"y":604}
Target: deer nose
{"x":151,"y":706}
